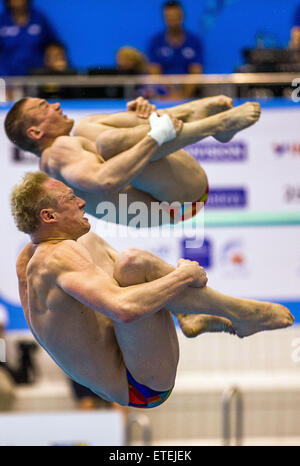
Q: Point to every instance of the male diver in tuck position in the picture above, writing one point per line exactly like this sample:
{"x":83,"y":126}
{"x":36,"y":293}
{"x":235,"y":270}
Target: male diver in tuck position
{"x":105,"y":317}
{"x":129,"y":153}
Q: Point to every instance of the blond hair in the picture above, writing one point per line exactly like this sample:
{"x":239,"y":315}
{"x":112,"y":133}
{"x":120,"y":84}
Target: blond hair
{"x":28,"y":198}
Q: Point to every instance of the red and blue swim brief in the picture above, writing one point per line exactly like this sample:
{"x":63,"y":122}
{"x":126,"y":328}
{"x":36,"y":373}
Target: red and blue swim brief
{"x":141,"y":396}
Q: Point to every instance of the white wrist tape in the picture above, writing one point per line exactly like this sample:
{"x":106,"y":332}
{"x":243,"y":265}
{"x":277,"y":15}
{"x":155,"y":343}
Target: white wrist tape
{"x":162,"y":128}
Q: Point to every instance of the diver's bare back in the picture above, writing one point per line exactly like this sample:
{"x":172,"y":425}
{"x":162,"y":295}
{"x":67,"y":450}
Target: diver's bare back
{"x":79,"y":339}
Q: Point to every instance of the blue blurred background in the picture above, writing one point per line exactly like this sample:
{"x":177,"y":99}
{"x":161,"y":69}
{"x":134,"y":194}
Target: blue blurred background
{"x":94,"y":30}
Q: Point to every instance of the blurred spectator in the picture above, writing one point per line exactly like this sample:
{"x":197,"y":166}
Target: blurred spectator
{"x":132,"y":61}
{"x":295,"y":32}
{"x":56,"y":63}
{"x":7,"y":386}
{"x":129,"y":61}
{"x":24,"y":33}
{"x":175,"y":50}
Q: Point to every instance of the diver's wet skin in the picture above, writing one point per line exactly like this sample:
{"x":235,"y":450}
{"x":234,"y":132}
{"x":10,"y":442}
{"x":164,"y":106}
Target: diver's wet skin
{"x":115,"y":308}
{"x":122,"y":153}
{"x":200,"y":109}
{"x":240,"y":118}
{"x":194,"y":325}
{"x":253,"y":317}
{"x":217,"y":105}
{"x":258,"y":316}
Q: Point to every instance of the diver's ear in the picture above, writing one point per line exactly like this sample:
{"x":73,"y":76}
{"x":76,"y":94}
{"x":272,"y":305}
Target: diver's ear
{"x":48,"y":215}
{"x":34,"y":133}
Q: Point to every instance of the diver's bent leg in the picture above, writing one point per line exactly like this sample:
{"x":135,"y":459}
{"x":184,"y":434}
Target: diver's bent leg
{"x":149,"y":346}
{"x":247,"y":316}
{"x":116,"y":141}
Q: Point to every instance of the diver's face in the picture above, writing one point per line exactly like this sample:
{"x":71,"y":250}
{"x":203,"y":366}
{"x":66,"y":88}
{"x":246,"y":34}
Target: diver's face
{"x":69,"y":214}
{"x":48,"y":116}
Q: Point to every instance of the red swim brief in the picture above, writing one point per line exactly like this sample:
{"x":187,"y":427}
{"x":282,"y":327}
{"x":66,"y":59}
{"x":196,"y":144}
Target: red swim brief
{"x":188,"y":209}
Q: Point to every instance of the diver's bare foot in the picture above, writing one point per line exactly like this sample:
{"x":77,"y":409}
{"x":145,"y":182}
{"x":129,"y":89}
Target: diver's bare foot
{"x":193,"y":325}
{"x":239,"y":118}
{"x":200,"y":108}
{"x":261,"y":316}
{"x":209,"y":106}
